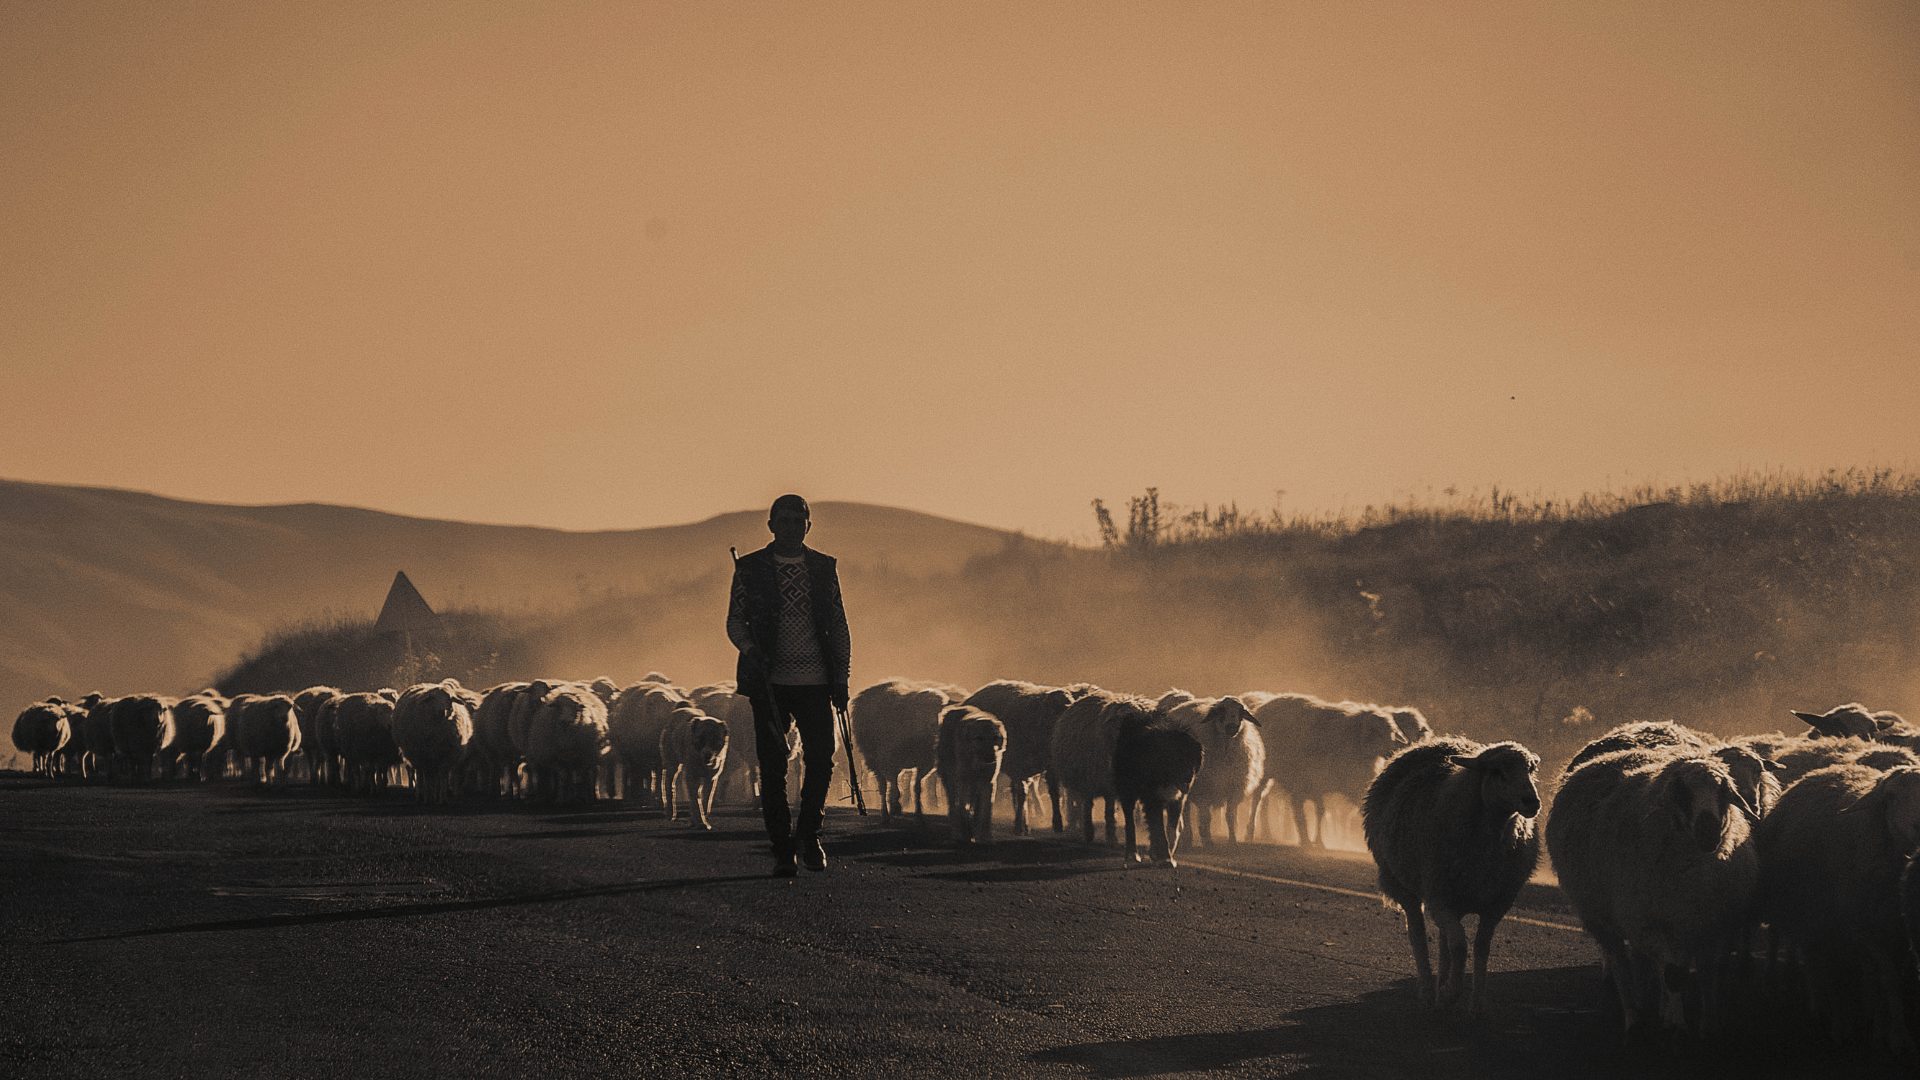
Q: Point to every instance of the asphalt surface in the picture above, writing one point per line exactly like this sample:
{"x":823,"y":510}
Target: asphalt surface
{"x":222,"y":931}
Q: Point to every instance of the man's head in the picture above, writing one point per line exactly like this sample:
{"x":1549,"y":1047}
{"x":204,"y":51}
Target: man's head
{"x":789,"y":520}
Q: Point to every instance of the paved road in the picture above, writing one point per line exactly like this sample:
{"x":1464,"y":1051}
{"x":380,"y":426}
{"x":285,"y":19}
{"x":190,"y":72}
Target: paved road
{"x":217,"y":931}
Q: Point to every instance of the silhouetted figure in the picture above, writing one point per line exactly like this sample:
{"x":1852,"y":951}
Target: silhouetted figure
{"x":786,"y":618}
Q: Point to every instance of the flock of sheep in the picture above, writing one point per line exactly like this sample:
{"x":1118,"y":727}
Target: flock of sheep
{"x":1683,"y":854}
{"x":569,"y":741}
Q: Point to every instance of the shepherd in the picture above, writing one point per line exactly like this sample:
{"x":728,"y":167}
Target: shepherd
{"x":786,"y":617}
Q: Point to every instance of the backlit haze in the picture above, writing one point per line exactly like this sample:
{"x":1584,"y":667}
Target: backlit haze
{"x":614,"y":265}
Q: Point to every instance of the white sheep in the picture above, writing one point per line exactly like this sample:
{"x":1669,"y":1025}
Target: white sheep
{"x":693,"y":752}
{"x":142,"y":729}
{"x":639,"y":714}
{"x":566,"y":741}
{"x":96,"y":733}
{"x":740,"y":779}
{"x":1235,"y":767}
{"x":306,"y":707}
{"x":1831,"y":856}
{"x":1317,"y":748}
{"x":433,"y":727}
{"x":896,"y":725}
{"x":970,"y":746}
{"x":269,"y":734}
{"x":1450,"y":823}
{"x":199,"y":723}
{"x":367,"y":748}
{"x":1028,"y":713}
{"x":42,"y":731}
{"x":1653,"y":849}
{"x":493,"y":749}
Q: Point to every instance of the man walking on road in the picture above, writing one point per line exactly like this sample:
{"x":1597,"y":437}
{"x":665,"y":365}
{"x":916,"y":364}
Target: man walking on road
{"x":786,"y":618}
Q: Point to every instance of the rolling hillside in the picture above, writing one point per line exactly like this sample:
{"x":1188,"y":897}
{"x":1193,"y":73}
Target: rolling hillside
{"x":122,"y":591}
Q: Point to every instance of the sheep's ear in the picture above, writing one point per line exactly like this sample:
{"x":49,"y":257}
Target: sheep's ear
{"x":1464,"y":762}
{"x":1811,"y":718}
{"x":1770,"y":765}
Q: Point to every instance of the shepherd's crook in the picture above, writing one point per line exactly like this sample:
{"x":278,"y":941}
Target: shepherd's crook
{"x":853,"y":774}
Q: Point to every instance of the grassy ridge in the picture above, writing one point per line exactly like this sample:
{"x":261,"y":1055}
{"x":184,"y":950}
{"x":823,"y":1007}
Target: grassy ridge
{"x":1721,"y":604}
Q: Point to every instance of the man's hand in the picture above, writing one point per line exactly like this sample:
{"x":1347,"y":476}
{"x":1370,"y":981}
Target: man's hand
{"x":840,"y":697}
{"x":755,"y":659}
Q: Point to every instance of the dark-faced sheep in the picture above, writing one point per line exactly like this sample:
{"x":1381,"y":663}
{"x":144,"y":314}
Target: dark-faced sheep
{"x":971,"y":746}
{"x":1154,"y":765}
{"x":142,"y":729}
{"x":896,"y":724}
{"x":1083,"y":743}
{"x":1653,"y":849}
{"x":566,"y":743}
{"x":1235,"y":768}
{"x":693,"y":752}
{"x":1316,"y":749}
{"x":42,"y":731}
{"x":1028,"y":713}
{"x":1450,"y":823}
{"x":433,"y":728}
{"x":1831,"y":856}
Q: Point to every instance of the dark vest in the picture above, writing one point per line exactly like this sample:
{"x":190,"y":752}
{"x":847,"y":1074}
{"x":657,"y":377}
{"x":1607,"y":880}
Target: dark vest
{"x":761,"y":584}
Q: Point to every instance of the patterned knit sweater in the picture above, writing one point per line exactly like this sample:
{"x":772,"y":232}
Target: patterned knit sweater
{"x":774,"y":605}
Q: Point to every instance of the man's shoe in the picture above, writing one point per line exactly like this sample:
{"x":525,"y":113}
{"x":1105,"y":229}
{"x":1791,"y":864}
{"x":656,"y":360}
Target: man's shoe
{"x":812,"y":855}
{"x":783,"y":864}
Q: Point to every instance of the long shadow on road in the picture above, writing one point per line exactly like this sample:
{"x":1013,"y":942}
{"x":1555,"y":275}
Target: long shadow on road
{"x":406,"y":911}
{"x":1551,"y":1022}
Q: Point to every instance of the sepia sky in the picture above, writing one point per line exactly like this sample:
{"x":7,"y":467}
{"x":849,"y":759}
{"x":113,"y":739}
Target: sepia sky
{"x":611,"y":265}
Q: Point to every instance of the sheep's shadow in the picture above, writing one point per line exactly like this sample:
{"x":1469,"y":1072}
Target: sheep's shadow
{"x":1004,"y":861}
{"x":1546,"y":1022}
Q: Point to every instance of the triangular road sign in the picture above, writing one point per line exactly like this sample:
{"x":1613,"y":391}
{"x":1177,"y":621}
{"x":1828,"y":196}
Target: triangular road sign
{"x":405,"y":609}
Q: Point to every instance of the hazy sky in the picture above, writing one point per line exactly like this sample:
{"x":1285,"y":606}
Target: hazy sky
{"x":601,"y":265}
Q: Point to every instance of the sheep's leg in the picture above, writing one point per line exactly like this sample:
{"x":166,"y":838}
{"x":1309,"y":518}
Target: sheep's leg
{"x":1202,"y":824}
{"x":1018,"y":788}
{"x":1482,"y":945}
{"x":1170,"y":833}
{"x":1111,"y":835}
{"x":1638,"y":978}
{"x":919,"y":796}
{"x":1053,"y":791}
{"x":957,"y":814}
{"x":1132,"y":853}
{"x":1448,"y":927}
{"x":1233,"y":811}
{"x":1417,"y":938}
{"x":1300,"y":818}
{"x":983,"y":814}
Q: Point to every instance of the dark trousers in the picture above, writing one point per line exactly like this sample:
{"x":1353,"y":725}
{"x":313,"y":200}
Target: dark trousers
{"x":810,"y":708}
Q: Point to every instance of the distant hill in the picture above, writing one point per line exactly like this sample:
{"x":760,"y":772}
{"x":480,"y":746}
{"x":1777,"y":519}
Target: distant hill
{"x":122,"y":591}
